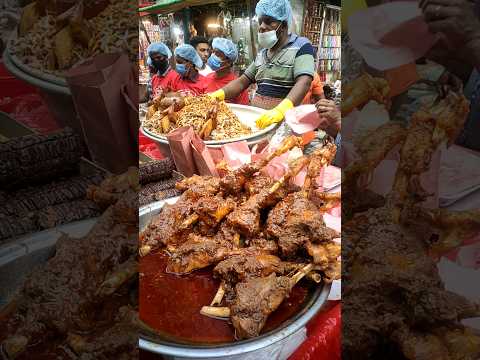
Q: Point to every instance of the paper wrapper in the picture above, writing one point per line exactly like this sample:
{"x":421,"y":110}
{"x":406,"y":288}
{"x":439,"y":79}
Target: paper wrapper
{"x":202,"y":158}
{"x":303,"y":119}
{"x":236,"y":154}
{"x":180,"y":145}
{"x":101,"y":91}
{"x":390,"y":35}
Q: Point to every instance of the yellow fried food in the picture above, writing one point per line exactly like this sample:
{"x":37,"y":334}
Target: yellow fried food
{"x":64,"y":48}
{"x":30,"y":16}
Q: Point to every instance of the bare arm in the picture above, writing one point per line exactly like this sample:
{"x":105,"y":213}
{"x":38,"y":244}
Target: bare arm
{"x":300,"y":89}
{"x":235,"y":87}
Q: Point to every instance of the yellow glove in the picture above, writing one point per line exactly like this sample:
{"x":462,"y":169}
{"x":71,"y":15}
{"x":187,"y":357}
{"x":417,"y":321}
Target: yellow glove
{"x":219,"y":94}
{"x":275,"y":115}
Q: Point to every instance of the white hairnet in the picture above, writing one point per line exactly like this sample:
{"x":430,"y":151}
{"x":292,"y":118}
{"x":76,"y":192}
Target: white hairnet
{"x":159,"y":47}
{"x":225,"y":46}
{"x":189,"y":53}
{"x":280,"y":10}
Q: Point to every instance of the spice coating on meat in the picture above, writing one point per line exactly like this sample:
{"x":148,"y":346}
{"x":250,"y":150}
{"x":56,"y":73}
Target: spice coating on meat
{"x":256,"y":298}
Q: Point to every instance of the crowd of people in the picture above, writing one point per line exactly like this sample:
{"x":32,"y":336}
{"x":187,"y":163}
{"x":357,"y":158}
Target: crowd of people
{"x":283,"y":71}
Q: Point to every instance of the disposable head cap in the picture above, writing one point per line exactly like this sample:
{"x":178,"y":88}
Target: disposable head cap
{"x":227,"y":47}
{"x":280,"y":10}
{"x":189,"y":53}
{"x":160,"y":48}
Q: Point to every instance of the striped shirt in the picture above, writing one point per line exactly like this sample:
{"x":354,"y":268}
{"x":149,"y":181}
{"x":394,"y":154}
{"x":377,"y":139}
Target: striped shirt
{"x":275,"y":77}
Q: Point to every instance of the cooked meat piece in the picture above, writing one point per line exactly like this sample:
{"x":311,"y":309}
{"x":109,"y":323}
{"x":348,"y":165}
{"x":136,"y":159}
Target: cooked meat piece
{"x":246,"y":218}
{"x":294,"y":222}
{"x":213,"y":209}
{"x":164,"y":228}
{"x":198,"y":186}
{"x":256,"y":263}
{"x":260,"y":242}
{"x":120,"y":338}
{"x":199,"y":252}
{"x":257,"y":183}
{"x":256,"y":299}
{"x":326,"y":259}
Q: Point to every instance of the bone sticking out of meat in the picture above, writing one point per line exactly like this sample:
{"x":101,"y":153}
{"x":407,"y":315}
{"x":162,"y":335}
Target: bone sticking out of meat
{"x":217,"y":299}
{"x":257,"y":298}
{"x":192,"y":219}
{"x":125,"y":272}
{"x":268,"y":297}
{"x":298,"y":166}
{"x":314,"y":276}
{"x":220,"y":313}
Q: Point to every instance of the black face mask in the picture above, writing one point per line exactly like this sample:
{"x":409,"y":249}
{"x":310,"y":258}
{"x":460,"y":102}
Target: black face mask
{"x":160,"y":65}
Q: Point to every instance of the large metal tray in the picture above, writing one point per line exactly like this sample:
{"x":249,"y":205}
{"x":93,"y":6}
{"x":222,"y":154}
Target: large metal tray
{"x":261,"y":347}
{"x":247,"y":116}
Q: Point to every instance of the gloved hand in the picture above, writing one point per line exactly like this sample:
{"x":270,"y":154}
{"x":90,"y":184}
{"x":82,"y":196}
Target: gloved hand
{"x":218,"y":95}
{"x":275,"y":115}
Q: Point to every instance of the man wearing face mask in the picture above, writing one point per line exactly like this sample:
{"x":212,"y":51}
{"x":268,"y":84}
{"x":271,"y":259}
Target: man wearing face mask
{"x":159,"y":59}
{"x":221,"y":62}
{"x":283,"y":69}
{"x":187,"y":80}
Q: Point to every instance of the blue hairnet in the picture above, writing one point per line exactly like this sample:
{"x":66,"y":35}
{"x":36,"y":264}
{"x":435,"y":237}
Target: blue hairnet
{"x":280,"y":10}
{"x":189,"y":53}
{"x":225,"y":46}
{"x":159,"y":47}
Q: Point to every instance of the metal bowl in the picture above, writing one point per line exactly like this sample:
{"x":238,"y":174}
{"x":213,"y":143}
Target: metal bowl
{"x":265,"y":346}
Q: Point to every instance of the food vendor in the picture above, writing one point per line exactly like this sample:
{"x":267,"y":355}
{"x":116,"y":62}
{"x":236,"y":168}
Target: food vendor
{"x":187,"y":79}
{"x":202,"y":47}
{"x":221,"y":62}
{"x":159,"y":57}
{"x":283,"y":69}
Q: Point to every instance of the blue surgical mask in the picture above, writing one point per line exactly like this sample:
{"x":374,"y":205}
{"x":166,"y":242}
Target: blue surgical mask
{"x":181,"y":69}
{"x":214,"y":62}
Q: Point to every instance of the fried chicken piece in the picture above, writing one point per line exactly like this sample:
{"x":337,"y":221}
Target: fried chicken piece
{"x":362,"y":90}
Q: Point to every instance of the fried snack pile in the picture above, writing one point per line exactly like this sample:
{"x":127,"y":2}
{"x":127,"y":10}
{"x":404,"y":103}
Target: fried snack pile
{"x":55,"y":43}
{"x":263,"y":236}
{"x":211,"y":119}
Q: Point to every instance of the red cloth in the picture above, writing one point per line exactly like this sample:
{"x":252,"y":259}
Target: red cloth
{"x":324,"y":335}
{"x":174,"y":82}
{"x":214,"y":83}
{"x":148,"y":147}
{"x":163,"y":82}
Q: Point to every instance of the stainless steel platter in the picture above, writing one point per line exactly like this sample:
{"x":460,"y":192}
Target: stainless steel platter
{"x":266,"y":346}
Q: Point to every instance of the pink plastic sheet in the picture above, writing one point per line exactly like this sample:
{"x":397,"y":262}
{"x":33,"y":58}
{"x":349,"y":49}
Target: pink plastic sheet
{"x":390,"y":35}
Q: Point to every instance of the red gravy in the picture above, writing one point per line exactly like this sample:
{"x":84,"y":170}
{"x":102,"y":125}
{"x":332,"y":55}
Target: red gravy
{"x":171,"y":304}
